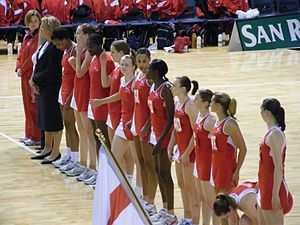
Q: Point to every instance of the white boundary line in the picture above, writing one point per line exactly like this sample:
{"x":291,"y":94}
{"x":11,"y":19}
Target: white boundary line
{"x":10,"y":97}
{"x":256,"y":84}
{"x":27,"y":149}
{"x":17,"y":143}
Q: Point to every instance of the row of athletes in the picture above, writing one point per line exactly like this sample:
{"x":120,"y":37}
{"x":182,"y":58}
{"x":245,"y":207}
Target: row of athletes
{"x":129,"y":98}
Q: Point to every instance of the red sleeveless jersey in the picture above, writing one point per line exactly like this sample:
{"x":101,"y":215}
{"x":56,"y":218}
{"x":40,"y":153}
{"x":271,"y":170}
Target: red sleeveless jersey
{"x":114,"y":108}
{"x":239,"y":192}
{"x":158,"y":114}
{"x":203,"y":149}
{"x":96,"y":89}
{"x":223,"y":151}
{"x":183,"y":129}
{"x":141,"y":90}
{"x":68,"y":75}
{"x":127,"y":105}
{"x":82,"y":90}
{"x":266,"y":177}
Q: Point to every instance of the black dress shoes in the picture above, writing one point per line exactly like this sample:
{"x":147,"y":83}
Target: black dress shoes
{"x":40,"y":157}
{"x":47,"y":161}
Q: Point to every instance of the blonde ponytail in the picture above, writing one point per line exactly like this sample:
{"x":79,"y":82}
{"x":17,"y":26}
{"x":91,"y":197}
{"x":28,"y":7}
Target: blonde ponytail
{"x":232,"y":107}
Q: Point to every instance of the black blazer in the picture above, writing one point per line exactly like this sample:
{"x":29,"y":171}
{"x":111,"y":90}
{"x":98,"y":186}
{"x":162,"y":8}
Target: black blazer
{"x":48,"y":70}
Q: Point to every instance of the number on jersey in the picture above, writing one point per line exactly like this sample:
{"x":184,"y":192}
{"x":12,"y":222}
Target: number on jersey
{"x":213,"y":143}
{"x":177,"y":124}
{"x":136,"y":96}
{"x":150,"y":104}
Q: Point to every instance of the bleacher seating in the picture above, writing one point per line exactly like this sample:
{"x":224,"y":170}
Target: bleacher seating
{"x":188,"y":18}
{"x":285,"y":6}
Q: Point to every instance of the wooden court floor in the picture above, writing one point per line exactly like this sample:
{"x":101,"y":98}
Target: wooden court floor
{"x":31,"y":194}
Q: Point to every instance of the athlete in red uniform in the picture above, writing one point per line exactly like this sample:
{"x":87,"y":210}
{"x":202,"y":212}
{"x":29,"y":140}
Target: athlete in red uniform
{"x":274,"y":198}
{"x":122,"y":142}
{"x":114,"y":108}
{"x":243,"y":197}
{"x":140,"y":123}
{"x":182,"y":137}
{"x":24,"y":69}
{"x":161,"y":105}
{"x":62,"y":38}
{"x":98,"y":114}
{"x":80,"y":98}
{"x":205,"y":121}
{"x":112,"y":80}
{"x":226,"y":139}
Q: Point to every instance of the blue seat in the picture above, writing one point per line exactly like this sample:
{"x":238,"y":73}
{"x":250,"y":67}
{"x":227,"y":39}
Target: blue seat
{"x":284,"y":6}
{"x":189,"y":11}
{"x":264,"y":6}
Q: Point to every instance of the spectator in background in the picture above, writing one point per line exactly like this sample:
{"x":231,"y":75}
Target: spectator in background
{"x":81,"y":10}
{"x":14,"y":11}
{"x":106,"y":10}
{"x":55,"y":8}
{"x":212,"y":8}
{"x":66,"y":10}
{"x":24,"y":69}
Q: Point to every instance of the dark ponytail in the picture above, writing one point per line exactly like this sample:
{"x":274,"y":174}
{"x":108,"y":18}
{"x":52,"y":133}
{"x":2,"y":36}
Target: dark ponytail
{"x":161,"y":67}
{"x":143,"y":51}
{"x":206,"y":95}
{"x":274,"y":106}
{"x":223,"y":204}
{"x":195,"y":87}
{"x":280,"y":117}
{"x":187,"y":83}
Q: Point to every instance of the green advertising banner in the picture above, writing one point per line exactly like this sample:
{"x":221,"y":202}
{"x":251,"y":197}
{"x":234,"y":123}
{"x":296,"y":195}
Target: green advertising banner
{"x":266,"y":33}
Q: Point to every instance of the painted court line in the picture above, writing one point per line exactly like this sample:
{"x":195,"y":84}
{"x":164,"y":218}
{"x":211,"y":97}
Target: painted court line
{"x":17,"y":143}
{"x":27,"y":149}
{"x":11,"y":97}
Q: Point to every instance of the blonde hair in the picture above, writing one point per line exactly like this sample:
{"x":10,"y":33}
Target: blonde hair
{"x":131,"y":57}
{"x":228,"y":104}
{"x":30,"y":14}
{"x":50,"y":23}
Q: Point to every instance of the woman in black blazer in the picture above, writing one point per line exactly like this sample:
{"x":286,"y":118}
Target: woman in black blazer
{"x":47,"y":81}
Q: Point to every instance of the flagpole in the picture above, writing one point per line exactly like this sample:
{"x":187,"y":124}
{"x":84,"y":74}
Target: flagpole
{"x":123,"y":179}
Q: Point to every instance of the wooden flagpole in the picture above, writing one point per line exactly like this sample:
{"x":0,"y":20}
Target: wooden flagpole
{"x":123,"y":179}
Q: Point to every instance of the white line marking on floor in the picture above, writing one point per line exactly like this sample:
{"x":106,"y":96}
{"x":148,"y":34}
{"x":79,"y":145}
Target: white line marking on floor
{"x":26,"y":148}
{"x":255,"y":85}
{"x":11,"y":97}
{"x":17,"y":143}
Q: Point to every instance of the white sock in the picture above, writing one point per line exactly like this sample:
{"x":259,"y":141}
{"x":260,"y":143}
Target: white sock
{"x":74,"y":156}
{"x":130,"y":179}
{"x":138,"y":191}
{"x":67,"y":151}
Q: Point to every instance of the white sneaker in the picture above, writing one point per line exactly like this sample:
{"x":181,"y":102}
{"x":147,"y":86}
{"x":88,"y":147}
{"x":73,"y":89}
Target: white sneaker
{"x":149,"y":208}
{"x":169,"y":219}
{"x":92,"y":180}
{"x":62,"y":161}
{"x":70,"y":165}
{"x":76,"y":171}
{"x":185,"y":222}
{"x":158,"y":216}
{"x":84,"y":175}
